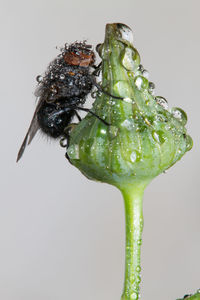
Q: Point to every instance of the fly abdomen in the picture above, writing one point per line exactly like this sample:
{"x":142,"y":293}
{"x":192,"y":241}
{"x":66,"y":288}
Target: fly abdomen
{"x":53,"y":120}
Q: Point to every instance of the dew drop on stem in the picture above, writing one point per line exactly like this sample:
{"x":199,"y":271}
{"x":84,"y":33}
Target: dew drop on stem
{"x":140,"y":68}
{"x":73,"y":151}
{"x":130,"y":59}
{"x":145,"y":74}
{"x":162,"y":102}
{"x":151,"y":88}
{"x":113,"y":130}
{"x":126,"y":32}
{"x":141,"y":83}
{"x":138,"y":269}
{"x":189,"y":142}
{"x":133,"y":156}
{"x":158,"y":136}
{"x":179,"y":114}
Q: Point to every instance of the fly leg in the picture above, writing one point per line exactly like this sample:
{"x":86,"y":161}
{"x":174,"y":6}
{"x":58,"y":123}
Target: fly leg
{"x":64,"y":142}
{"x":91,"y":112}
{"x":97,"y":70}
{"x":78,"y":116}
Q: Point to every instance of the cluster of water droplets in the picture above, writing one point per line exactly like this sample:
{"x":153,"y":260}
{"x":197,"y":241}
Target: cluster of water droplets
{"x":135,"y":156}
{"x":130,"y":60}
{"x":135,"y":287}
{"x":55,"y":73}
{"x":142,"y":84}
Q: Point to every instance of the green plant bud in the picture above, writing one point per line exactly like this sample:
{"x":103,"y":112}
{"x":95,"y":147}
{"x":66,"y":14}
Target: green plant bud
{"x":144,"y":138}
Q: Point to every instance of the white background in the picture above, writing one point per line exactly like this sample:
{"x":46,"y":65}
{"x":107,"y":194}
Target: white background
{"x":61,"y":235}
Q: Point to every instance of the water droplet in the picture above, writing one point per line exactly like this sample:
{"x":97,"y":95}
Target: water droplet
{"x":73,"y":151}
{"x":62,"y":76}
{"x":128,"y":124}
{"x":134,"y":296}
{"x":54,"y":90}
{"x":98,"y":47}
{"x":179,"y":151}
{"x":179,"y":114}
{"x":162,"y":102}
{"x":187,"y":296}
{"x":130,"y":74}
{"x":128,"y":100}
{"x":160,"y":118}
{"x":94,"y":94}
{"x":141,"y":223}
{"x":113,"y":130}
{"x":127,"y":59}
{"x":140,"y":68}
{"x":151,"y":88}
{"x":138,"y":279}
{"x":133,"y":156}
{"x":103,"y":131}
{"x":39,"y":78}
{"x":159,"y":136}
{"x":139,"y":242}
{"x":145,"y":74}
{"x":141,"y":83}
{"x":189,"y":143}
{"x":198,"y":291}
{"x":51,"y":75}
{"x":63,"y":142}
{"x":130,"y":59}
{"x":122,"y":88}
{"x":126,"y":32}
{"x":136,"y":156}
{"x":138,"y":269}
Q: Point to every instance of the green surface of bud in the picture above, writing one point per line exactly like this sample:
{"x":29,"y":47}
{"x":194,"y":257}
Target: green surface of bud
{"x":144,"y":137}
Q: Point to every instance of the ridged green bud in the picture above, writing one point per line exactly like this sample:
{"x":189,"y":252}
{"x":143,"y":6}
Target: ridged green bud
{"x":145,"y":137}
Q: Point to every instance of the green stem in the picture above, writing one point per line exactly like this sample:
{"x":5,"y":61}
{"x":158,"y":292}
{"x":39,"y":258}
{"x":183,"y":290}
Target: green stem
{"x":133,"y":197}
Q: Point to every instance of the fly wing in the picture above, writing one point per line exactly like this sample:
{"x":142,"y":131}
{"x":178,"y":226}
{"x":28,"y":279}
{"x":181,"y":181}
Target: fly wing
{"x":33,"y":128}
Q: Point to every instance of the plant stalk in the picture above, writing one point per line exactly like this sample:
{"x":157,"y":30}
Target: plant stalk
{"x":133,"y":200}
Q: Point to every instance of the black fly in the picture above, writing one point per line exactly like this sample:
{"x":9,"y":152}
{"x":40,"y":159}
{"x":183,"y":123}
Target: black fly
{"x":62,"y":91}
